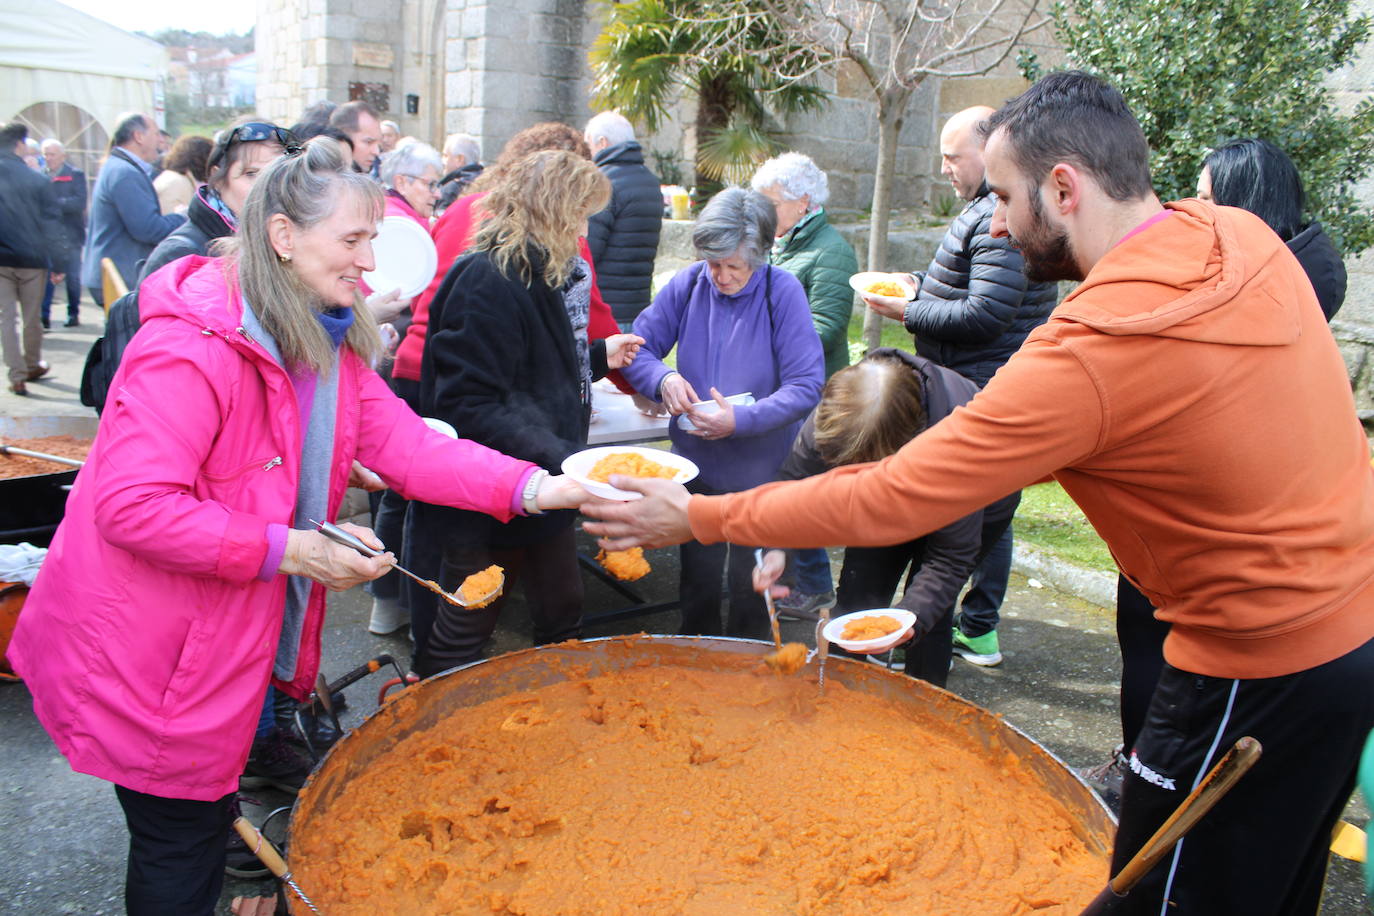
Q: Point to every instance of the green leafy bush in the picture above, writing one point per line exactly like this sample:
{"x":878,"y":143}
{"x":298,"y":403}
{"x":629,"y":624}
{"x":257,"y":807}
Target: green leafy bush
{"x":1199,"y":72}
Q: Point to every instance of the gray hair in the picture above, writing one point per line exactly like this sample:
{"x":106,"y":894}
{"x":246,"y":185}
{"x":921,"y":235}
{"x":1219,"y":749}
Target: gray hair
{"x":410,"y":159}
{"x":736,"y":220}
{"x":464,"y":145}
{"x":393,"y":125}
{"x":612,"y":125}
{"x":796,"y":176}
{"x":53,"y":142}
{"x":305,"y":188}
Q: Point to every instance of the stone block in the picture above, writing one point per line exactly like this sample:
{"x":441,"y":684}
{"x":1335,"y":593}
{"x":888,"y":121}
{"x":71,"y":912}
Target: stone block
{"x":472,"y":22}
{"x":509,"y":21}
{"x":458,"y":90}
{"x":850,"y":82}
{"x":455,"y":56}
{"x":965,"y":92}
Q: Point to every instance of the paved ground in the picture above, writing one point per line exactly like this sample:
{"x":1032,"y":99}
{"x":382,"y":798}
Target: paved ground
{"x":67,"y":841}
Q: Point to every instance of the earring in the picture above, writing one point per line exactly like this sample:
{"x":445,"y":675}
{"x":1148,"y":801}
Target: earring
{"x":284,"y":258}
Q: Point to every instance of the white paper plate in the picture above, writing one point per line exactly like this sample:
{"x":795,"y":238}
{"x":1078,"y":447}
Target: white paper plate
{"x":739,"y":400}
{"x":406,"y":257}
{"x":862,"y":281}
{"x":440,"y":426}
{"x":834,"y":628}
{"x":579,"y":464}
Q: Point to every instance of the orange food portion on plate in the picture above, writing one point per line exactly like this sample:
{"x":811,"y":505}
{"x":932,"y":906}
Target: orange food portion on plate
{"x":625,"y":565}
{"x":631,"y":464}
{"x":873,"y":627}
{"x":887,"y":288}
{"x":485,"y":583}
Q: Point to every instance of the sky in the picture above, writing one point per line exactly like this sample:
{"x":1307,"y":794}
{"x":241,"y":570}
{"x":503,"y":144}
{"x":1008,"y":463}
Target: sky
{"x":155,"y":15}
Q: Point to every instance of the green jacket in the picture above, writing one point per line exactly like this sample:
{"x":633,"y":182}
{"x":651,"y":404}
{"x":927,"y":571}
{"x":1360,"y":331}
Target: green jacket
{"x":816,"y":254}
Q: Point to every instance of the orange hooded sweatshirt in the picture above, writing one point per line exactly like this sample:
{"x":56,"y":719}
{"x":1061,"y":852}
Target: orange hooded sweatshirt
{"x":1190,"y":398}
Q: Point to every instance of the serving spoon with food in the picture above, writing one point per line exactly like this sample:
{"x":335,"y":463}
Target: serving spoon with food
{"x":787,"y":659}
{"x":335,"y":533}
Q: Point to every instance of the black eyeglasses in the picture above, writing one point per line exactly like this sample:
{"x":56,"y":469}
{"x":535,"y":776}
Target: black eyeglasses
{"x":254,"y":132}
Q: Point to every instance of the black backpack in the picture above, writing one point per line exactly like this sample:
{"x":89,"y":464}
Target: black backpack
{"x":120,"y":326}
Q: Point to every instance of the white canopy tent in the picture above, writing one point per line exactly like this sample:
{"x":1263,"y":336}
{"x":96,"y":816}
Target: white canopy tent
{"x":70,"y":75}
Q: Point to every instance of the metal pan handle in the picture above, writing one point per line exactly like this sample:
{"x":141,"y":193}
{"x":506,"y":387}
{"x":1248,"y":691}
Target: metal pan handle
{"x":335,"y":533}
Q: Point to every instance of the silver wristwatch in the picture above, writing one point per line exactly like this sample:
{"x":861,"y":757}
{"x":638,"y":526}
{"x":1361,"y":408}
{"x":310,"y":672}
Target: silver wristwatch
{"x":529,"y":497}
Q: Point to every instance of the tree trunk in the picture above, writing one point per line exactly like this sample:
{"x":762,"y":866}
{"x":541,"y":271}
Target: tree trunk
{"x":891,"y":114}
{"x":715,"y":102}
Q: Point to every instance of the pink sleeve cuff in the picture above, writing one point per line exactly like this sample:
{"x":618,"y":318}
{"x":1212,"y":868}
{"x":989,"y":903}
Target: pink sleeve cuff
{"x":276,"y":549}
{"x":517,"y":505}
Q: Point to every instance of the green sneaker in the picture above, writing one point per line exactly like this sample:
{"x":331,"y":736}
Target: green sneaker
{"x":978,"y":650}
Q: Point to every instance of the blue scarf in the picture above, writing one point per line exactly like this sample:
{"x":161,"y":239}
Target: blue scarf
{"x":336,"y":322}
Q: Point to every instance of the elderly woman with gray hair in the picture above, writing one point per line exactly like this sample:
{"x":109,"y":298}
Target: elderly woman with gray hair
{"x":740,"y":325}
{"x":810,"y":249}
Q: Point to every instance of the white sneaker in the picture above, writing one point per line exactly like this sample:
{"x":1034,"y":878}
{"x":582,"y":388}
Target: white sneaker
{"x":387,"y":616}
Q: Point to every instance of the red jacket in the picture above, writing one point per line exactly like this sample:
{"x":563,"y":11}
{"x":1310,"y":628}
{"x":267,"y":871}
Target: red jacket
{"x":452,"y":237}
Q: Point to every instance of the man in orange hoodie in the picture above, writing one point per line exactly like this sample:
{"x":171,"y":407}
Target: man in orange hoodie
{"x":1189,"y":398}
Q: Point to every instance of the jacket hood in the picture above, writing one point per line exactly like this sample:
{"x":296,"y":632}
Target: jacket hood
{"x":629,"y":152}
{"x":1206,"y":273}
{"x":195,"y":289}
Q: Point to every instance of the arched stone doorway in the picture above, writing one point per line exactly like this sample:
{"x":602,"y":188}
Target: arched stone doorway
{"x":73,"y":127}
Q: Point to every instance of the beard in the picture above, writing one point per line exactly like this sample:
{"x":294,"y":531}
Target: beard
{"x":1046,"y":249}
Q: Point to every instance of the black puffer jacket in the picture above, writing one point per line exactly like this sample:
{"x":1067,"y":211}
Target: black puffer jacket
{"x":623,"y":238}
{"x":203,"y":225}
{"x":975,"y":306}
{"x":31,"y":232}
{"x":1319,"y":258}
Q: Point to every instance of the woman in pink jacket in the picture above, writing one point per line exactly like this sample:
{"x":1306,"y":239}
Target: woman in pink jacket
{"x":185,"y":575}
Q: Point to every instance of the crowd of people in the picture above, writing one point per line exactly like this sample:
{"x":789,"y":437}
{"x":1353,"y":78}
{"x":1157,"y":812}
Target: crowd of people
{"x":1151,"y":393}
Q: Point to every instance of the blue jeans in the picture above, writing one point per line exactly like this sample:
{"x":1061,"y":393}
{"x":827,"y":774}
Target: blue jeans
{"x":812,"y":568}
{"x":978,"y":614}
{"x":73,"y":284}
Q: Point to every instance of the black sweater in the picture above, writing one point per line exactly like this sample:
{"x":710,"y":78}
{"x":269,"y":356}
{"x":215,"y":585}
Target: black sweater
{"x":950,"y":553}
{"x":499,"y":365}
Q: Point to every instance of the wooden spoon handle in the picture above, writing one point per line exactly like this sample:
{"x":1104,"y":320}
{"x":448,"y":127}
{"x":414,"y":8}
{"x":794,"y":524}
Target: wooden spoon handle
{"x":261,"y":846}
{"x":1238,"y":760}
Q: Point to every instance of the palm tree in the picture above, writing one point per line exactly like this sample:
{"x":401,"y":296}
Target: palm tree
{"x":649,"y":50}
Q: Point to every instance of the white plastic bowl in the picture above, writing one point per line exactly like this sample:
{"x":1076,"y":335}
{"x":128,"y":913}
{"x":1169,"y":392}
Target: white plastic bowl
{"x":708,"y":407}
{"x":834,"y":628}
{"x":579,"y":464}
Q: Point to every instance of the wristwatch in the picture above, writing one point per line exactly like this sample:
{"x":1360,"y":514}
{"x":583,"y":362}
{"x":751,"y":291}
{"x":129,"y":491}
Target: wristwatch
{"x":529,"y":497}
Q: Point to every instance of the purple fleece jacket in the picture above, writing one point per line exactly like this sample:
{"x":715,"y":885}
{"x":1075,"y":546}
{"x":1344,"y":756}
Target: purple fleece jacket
{"x":735,"y":343}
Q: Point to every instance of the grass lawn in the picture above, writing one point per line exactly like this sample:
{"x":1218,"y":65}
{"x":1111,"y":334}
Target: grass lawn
{"x":1047,"y":518}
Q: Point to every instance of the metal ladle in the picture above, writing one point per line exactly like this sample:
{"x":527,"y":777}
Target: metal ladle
{"x":335,"y":533}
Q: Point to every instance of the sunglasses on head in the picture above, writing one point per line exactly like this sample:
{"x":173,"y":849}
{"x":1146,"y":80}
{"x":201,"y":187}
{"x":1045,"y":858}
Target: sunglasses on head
{"x":254,"y":132}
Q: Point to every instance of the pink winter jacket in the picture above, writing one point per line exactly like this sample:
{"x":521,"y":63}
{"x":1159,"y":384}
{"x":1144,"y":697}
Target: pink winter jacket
{"x":148,"y":638}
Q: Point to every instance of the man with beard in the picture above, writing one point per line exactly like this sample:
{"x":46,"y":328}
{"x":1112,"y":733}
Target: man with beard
{"x":1190,"y":399}
{"x":972,"y":310}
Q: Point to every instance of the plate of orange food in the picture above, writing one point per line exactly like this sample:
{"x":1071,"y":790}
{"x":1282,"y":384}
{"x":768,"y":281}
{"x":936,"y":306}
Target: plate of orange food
{"x":874,"y":283}
{"x":875,"y":630}
{"x":593,"y":467}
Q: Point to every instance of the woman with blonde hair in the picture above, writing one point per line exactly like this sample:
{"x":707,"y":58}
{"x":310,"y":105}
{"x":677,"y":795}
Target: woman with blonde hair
{"x":186,"y":575}
{"x":867,"y":412}
{"x":507,"y":363}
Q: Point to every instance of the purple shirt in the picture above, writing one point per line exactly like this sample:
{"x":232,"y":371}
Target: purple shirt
{"x":738,"y":343}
